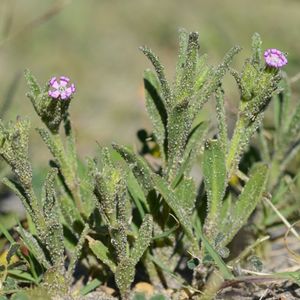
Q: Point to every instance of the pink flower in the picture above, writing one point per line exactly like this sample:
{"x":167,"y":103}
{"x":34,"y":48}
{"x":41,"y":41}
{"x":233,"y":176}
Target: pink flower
{"x":61,"y":89}
{"x":275,"y":58}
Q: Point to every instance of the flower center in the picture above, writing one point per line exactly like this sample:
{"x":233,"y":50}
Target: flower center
{"x":62,"y":88}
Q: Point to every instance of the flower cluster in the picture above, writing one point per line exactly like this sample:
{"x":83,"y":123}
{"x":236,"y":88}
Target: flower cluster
{"x":275,"y":58}
{"x":61,"y":89}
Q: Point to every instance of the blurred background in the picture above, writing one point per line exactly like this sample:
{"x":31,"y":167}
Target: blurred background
{"x":95,"y":42}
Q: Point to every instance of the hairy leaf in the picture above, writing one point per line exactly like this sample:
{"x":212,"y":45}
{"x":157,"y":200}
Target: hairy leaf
{"x":33,"y":247}
{"x":143,"y":240}
{"x":177,"y":206}
{"x":214,"y":171}
{"x":139,"y":167}
{"x":102,"y":253}
{"x":246,"y":203}
{"x":256,"y":49}
{"x":156,"y":108}
{"x":166,"y":91}
{"x":186,"y":85}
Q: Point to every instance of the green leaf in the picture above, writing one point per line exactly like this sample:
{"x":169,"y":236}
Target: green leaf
{"x":293,"y":276}
{"x":90,"y":286}
{"x":139,"y":167}
{"x":215,"y":175}
{"x":55,"y":147}
{"x":136,"y":193}
{"x":22,"y":275}
{"x":165,"y":88}
{"x":292,"y":132}
{"x":34,"y":87}
{"x":183,"y":42}
{"x":77,"y":251}
{"x":221,"y":115}
{"x":156,"y":108}
{"x":12,"y":251}
{"x":192,"y":149}
{"x":19,"y":191}
{"x":246,"y":203}
{"x":158,"y":297}
{"x":6,"y":233}
{"x":70,"y":144}
{"x":34,"y":247}
{"x":213,"y":80}
{"x":48,"y":193}
{"x":283,"y":115}
{"x":193,"y":263}
{"x":139,"y":296}
{"x":186,"y":192}
{"x":256,"y":49}
{"x":185,"y":88}
{"x":102,"y":253}
{"x":179,"y":126}
{"x":20,"y":296}
{"x":176,"y":205}
{"x":143,"y":240}
{"x":124,"y":276}
{"x":216,"y":257}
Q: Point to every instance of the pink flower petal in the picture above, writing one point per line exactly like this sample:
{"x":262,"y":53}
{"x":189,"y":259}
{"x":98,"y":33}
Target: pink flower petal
{"x":64,"y":80}
{"x":52,"y":80}
{"x":55,"y":84}
{"x":69,"y":92}
{"x":64,"y":96}
{"x":54,"y":94}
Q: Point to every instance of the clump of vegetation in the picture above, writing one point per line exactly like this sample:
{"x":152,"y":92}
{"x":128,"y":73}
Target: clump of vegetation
{"x":142,"y":215}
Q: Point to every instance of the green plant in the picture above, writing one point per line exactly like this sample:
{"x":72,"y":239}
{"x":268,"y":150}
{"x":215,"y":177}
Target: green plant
{"x":144,"y":211}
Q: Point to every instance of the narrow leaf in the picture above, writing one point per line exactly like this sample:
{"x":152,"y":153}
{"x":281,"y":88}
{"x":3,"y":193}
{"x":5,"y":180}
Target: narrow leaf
{"x":139,"y":167}
{"x":188,"y":73}
{"x":192,"y":150}
{"x":216,"y":257}
{"x":143,"y":240}
{"x":246,"y":203}
{"x":186,"y":192}
{"x":34,"y":247}
{"x":183,"y":42}
{"x":12,"y":251}
{"x":213,"y":81}
{"x":166,"y":91}
{"x":214,"y":171}
{"x":176,"y":205}
{"x":102,"y":253}
{"x":156,"y":108}
{"x":221,"y":115}
{"x":90,"y":286}
{"x":34,"y":87}
{"x":256,"y":49}
{"x":179,"y":126}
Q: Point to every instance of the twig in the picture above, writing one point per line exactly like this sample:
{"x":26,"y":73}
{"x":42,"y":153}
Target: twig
{"x":283,"y":219}
{"x":251,"y":272}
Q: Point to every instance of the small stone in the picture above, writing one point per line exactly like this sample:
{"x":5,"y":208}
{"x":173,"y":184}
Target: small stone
{"x":145,"y":288}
